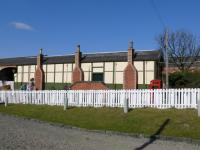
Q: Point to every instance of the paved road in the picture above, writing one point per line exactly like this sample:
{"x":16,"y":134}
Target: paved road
{"x":22,"y":134}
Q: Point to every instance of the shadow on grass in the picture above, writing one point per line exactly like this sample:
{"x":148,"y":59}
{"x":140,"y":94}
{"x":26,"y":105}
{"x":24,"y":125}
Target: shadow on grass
{"x":154,"y":136}
{"x":70,"y":107}
{"x":135,"y":109}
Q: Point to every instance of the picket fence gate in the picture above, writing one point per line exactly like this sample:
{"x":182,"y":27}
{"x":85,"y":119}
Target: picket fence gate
{"x":158,"y":98}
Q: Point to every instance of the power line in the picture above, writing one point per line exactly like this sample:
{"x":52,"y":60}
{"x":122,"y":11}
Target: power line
{"x":157,"y":12}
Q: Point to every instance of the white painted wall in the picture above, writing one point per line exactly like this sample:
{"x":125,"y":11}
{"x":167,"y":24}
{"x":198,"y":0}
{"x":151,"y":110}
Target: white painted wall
{"x":120,"y":66}
{"x":67,"y":77}
{"x":108,"y":66}
{"x":140,"y":77}
{"x":98,"y":64}
{"x":118,"y":78}
{"x":32,"y":68}
{"x":149,"y":71}
{"x":59,"y":68}
{"x":87,"y":67}
{"x":19,"y":77}
{"x":87,"y":76}
{"x":26,"y":68}
{"x":50,"y":77}
{"x":32,"y":75}
{"x":58,"y":77}
{"x":19,"y":68}
{"x":108,"y":77}
{"x":50,"y":68}
{"x":148,"y":77}
{"x":138,"y":65}
{"x":98,"y":69}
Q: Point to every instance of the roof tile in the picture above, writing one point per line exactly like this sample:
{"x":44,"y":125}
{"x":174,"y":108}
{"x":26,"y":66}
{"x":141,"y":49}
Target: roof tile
{"x":98,"y":57}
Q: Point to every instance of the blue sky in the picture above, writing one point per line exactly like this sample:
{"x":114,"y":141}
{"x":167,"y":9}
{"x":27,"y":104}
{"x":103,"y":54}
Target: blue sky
{"x":58,"y":26}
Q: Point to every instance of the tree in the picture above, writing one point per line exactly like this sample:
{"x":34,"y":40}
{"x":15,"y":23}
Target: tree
{"x":183,"y":48}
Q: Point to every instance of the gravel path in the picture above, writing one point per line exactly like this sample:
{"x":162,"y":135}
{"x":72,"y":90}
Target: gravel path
{"x":23,"y":134}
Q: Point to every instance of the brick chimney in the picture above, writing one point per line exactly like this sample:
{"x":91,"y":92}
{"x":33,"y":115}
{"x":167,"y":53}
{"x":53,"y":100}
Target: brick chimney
{"x":130,"y":72}
{"x":77,"y":74}
{"x":39,"y":73}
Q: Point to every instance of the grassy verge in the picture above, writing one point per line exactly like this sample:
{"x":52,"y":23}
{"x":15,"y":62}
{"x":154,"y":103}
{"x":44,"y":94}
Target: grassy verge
{"x":148,"y":121}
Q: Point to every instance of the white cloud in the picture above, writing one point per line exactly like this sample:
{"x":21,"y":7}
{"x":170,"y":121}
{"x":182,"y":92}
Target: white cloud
{"x":21,"y":26}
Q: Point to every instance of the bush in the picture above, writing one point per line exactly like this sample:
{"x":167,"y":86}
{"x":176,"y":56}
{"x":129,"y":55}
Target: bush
{"x":56,"y":86}
{"x":115,"y":86}
{"x":184,"y":80}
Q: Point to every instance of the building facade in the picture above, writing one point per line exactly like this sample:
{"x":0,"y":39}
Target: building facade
{"x":107,"y":67}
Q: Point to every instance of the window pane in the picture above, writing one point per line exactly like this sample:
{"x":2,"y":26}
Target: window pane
{"x":97,"y":77}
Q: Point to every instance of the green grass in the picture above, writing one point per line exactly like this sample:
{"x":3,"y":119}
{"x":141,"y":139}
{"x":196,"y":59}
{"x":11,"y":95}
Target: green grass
{"x":182,"y":123}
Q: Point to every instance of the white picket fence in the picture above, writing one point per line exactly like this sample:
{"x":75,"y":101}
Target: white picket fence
{"x":162,"y":98}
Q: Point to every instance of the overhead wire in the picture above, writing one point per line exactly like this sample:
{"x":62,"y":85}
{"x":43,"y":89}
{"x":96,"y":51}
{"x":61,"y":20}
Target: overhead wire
{"x":157,"y":12}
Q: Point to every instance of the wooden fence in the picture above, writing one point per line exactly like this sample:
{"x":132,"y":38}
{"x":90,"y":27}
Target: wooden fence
{"x":161,"y":98}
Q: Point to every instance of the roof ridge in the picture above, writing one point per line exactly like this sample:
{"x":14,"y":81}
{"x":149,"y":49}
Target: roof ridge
{"x":18,"y":57}
{"x":105,"y":52}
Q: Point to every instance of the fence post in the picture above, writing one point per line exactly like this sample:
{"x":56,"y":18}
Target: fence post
{"x":65,"y":102}
{"x":125,"y":105}
{"x":198,"y":107}
{"x":6,"y":99}
{"x":6,"y":102}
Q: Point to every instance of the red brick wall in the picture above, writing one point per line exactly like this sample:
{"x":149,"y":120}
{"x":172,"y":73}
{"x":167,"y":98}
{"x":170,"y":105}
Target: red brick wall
{"x":39,"y":79}
{"x":130,"y":77}
{"x":77,"y":75}
{"x":89,"y":86}
{"x":39,"y":74}
{"x":130,"y":72}
{"x":175,"y":69}
{"x":170,"y":70}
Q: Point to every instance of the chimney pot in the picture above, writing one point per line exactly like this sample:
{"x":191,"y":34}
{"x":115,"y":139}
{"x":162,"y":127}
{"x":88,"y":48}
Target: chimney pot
{"x":78,"y":48}
{"x":130,"y":45}
{"x":41,"y":51}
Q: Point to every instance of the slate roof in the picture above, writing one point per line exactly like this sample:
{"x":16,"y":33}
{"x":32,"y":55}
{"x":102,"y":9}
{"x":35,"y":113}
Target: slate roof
{"x":96,"y":57}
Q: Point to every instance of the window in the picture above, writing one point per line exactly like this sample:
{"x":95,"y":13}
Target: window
{"x":97,"y":77}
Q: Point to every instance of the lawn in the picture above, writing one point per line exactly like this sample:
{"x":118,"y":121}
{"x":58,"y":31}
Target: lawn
{"x":147,"y":121}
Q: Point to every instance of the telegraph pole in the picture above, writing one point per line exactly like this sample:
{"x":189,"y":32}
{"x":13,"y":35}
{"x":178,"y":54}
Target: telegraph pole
{"x":165,"y":48}
{"x":166,"y":60}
